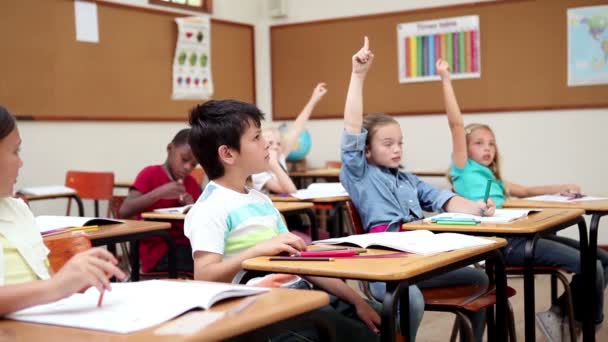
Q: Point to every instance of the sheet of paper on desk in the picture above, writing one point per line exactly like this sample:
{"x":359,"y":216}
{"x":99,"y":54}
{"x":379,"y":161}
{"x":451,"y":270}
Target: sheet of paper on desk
{"x":421,"y":242}
{"x":564,"y":199}
{"x":46,"y":190}
{"x":132,"y":306}
{"x":321,"y":190}
{"x":174,"y":210}
{"x":500,"y":216}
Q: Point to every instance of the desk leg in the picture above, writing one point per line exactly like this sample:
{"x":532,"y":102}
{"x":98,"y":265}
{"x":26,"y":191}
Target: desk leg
{"x":79,"y":203}
{"x":497,"y":325}
{"x":396,"y":292}
{"x":314,"y":230}
{"x":591,"y":301}
{"x":134,"y":247}
{"x":529,"y":307}
{"x":171,"y":253}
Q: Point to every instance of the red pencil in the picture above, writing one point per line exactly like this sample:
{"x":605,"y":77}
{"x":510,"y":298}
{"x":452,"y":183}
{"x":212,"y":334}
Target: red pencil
{"x":100,"y":298}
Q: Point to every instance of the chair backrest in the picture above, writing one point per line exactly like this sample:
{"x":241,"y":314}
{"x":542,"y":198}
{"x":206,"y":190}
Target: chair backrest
{"x":333,"y":164}
{"x":355,"y":219}
{"x":198,"y":173}
{"x":64,"y":248}
{"x":91,"y":185}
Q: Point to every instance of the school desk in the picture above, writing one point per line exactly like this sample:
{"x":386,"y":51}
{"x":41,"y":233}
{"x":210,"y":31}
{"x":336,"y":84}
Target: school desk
{"x":123,"y":184}
{"x":132,"y":231}
{"x":335,"y":203}
{"x":531,"y":227}
{"x":72,"y":195}
{"x":269,"y":313}
{"x":399,"y":272}
{"x":596,"y":209}
{"x":285,"y":208}
{"x":302,"y":178}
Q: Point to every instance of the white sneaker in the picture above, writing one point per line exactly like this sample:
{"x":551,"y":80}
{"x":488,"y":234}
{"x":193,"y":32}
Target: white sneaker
{"x":550,"y":323}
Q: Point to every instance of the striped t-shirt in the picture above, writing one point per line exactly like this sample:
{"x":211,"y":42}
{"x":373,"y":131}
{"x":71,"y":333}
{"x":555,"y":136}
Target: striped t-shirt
{"x":227,"y":222}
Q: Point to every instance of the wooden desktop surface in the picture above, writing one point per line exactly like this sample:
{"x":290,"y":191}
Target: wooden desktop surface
{"x":123,"y":184}
{"x":276,"y":305}
{"x":335,"y":172}
{"x":334,"y":199}
{"x":381,"y":269}
{"x":533,"y":223}
{"x":599,"y":205}
{"x":113,"y":230}
{"x":283,"y":207}
{"x":47,"y":196}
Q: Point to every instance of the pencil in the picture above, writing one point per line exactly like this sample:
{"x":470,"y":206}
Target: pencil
{"x":300,"y":259}
{"x":487,"y":195}
{"x":100,"y":300}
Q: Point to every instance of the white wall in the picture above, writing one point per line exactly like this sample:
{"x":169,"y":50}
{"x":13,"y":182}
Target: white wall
{"x":537,"y":147}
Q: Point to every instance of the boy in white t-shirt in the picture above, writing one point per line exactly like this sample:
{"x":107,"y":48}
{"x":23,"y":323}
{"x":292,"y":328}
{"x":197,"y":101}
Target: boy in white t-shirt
{"x":231,"y":223}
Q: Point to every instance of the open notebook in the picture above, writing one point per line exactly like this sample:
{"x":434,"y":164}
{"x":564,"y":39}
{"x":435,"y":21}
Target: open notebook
{"x":174,"y":210}
{"x":132,"y":306}
{"x":321,"y":190}
{"x":48,"y":224}
{"x":501,"y":216}
{"x":422,"y":242}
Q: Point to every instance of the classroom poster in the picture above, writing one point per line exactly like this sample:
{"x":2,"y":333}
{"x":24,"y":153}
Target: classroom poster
{"x":587,"y":45}
{"x":192,"y":61}
{"x":420,"y":44}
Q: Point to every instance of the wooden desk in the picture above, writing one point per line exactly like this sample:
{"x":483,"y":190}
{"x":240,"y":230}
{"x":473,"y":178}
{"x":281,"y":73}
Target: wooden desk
{"x":322,"y":203}
{"x":596,"y":209}
{"x":532,"y":227}
{"x":132,"y":231}
{"x":398,"y":272}
{"x":123,"y":184}
{"x":72,"y":195}
{"x":278,"y":305}
{"x":288,"y":208}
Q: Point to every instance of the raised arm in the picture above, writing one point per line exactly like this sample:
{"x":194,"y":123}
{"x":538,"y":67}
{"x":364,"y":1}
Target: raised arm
{"x":459,"y":140}
{"x":298,"y":125}
{"x":353,"y":109}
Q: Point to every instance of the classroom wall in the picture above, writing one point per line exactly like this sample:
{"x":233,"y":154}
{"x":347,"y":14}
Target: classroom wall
{"x":537,"y":147}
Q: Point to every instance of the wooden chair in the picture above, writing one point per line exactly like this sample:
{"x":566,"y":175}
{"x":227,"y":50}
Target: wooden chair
{"x":64,"y":248}
{"x":95,"y":186}
{"x":198,"y":173}
{"x":456,"y":299}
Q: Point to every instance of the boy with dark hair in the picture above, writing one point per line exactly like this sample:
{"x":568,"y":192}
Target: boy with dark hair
{"x":231,"y":222}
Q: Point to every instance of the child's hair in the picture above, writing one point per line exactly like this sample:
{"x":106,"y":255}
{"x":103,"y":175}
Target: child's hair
{"x":373,"y":121}
{"x":495,"y":165}
{"x":7,"y":123}
{"x":181,"y":138}
{"x":216,"y":123}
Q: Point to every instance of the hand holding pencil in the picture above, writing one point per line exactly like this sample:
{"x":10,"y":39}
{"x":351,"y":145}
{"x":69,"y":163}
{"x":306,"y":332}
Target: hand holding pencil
{"x":90,"y":268}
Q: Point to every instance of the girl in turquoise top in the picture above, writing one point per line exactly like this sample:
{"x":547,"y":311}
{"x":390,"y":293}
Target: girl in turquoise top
{"x":475,"y":161}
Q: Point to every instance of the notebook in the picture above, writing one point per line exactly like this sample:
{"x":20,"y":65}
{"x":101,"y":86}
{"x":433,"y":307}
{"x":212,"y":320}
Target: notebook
{"x":174,"y":210}
{"x":48,"y":224}
{"x":501,"y":216}
{"x":564,"y":199}
{"x":46,"y":190}
{"x":133,"y":306}
{"x":321,"y":190}
{"x":422,"y":242}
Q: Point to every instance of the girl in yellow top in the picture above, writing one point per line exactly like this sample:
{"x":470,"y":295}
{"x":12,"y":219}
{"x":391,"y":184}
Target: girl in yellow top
{"x":25,"y":279}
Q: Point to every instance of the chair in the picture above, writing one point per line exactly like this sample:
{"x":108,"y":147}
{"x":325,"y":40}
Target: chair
{"x":91,"y":185}
{"x":556,"y":273}
{"x":456,"y":299}
{"x":64,"y":248}
{"x":198,"y":173}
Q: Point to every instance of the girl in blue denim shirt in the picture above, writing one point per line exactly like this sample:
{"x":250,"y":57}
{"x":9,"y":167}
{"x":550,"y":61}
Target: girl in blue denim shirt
{"x":387,"y":197}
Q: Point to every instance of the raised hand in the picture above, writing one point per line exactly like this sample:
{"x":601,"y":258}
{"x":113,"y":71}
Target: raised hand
{"x":362,"y":60}
{"x":318,"y":93}
{"x":443,"y":68}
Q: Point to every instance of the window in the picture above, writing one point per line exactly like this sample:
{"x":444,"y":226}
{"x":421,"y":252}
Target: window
{"x":205,"y":6}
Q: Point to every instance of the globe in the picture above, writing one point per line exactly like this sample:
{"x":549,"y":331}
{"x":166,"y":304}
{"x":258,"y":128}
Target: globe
{"x":302,"y":147}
